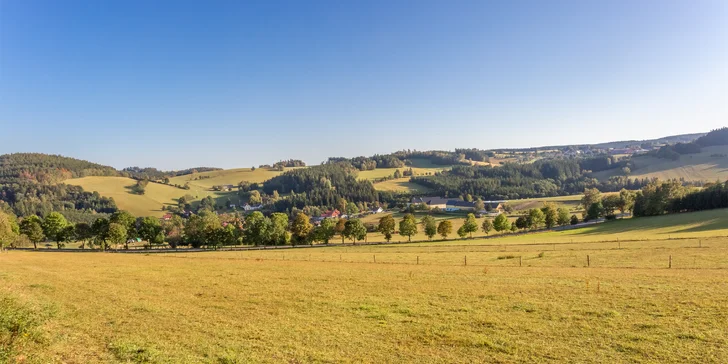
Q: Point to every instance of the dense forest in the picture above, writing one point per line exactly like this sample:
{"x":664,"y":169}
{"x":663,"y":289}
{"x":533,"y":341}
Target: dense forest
{"x":47,"y":169}
{"x":30,"y":183}
{"x":320,"y":186}
{"x":674,"y":151}
{"x":542,"y":178}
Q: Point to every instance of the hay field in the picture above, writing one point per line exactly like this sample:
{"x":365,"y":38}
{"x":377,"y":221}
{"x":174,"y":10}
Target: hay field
{"x":233,"y":307}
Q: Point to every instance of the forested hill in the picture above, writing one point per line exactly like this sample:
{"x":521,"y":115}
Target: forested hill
{"x":47,"y":169}
{"x":30,"y":183}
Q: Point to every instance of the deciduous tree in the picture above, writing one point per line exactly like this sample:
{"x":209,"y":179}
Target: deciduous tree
{"x":430,"y":226}
{"x":386,"y":227}
{"x":487,"y":226}
{"x":300,"y":228}
{"x":31,"y":227}
{"x":444,"y":228}
{"x":54,"y":227}
{"x":500,"y":223}
{"x":470,"y":225}
{"x":355,"y":230}
{"x":408,"y":226}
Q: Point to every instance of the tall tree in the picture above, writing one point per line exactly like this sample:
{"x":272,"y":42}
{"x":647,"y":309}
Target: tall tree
{"x":279,"y":234}
{"x":117,"y":234}
{"x":150,"y":229}
{"x":9,"y":230}
{"x":300,"y":228}
{"x":535,"y":218}
{"x":199,"y":228}
{"x":591,"y":196}
{"x":126,"y":219}
{"x":595,"y":211}
{"x":444,"y":228}
{"x":550,"y":216}
{"x":257,"y":229}
{"x":487,"y":226}
{"x":355,"y":230}
{"x":325,"y":231}
{"x":611,"y":203}
{"x":31,"y":227}
{"x":470,"y":225}
{"x":461,"y":232}
{"x":430,"y":226}
{"x":54,"y":227}
{"x":386,"y":227}
{"x":562,"y":216}
{"x":100,"y":231}
{"x":521,"y":222}
{"x":408,"y":226}
{"x":339,"y":228}
{"x":626,"y":200}
{"x":83,"y":233}
{"x":501,"y":223}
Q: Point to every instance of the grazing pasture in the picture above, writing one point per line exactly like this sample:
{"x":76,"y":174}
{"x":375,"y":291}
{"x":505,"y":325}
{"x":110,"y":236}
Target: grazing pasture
{"x":337,"y":305}
{"x":206,"y":180}
{"x":149,"y":204}
{"x":710,"y":164}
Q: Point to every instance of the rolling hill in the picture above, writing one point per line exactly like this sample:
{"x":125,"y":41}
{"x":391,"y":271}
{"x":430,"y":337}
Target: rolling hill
{"x":709,"y":165}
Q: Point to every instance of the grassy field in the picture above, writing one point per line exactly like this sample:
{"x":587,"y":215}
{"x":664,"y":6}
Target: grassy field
{"x":703,"y":166}
{"x":401,"y":185}
{"x":226,"y":177}
{"x":337,"y":305}
{"x":149,"y":204}
{"x":158,"y":195}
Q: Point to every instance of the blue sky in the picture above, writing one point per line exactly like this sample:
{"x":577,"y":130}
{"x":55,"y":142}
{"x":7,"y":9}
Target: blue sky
{"x":238,"y":83}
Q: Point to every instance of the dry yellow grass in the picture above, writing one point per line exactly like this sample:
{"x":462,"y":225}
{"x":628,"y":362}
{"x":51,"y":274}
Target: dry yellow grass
{"x":149,"y":204}
{"x":230,"y":307}
{"x":704,"y":166}
{"x":226,"y":177}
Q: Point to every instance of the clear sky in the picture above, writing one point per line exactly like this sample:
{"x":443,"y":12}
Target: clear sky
{"x":176,"y":84}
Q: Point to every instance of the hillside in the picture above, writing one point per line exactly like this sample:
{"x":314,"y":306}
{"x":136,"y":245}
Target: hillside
{"x":206,"y":180}
{"x":158,"y":195}
{"x":46,"y":168}
{"x":709,"y":165}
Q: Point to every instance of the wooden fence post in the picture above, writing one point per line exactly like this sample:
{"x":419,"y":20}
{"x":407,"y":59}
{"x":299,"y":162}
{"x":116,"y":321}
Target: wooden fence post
{"x":520,"y":261}
{"x":466,"y":260}
{"x":588,"y":262}
{"x":418,"y":260}
{"x":375,"y":258}
{"x":669,"y":264}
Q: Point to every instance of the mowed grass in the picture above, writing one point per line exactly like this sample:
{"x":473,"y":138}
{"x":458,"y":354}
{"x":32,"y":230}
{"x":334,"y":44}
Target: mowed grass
{"x":703,"y":166}
{"x":570,"y":202}
{"x":226,"y":177}
{"x":229,"y":307}
{"x":149,"y":204}
{"x":401,"y":185}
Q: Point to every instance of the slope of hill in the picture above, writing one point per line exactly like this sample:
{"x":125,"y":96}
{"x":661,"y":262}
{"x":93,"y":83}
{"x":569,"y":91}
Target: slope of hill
{"x":206,"y":180}
{"x":149,"y":204}
{"x":46,"y":168}
{"x":709,"y":165}
{"x":158,"y":195}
